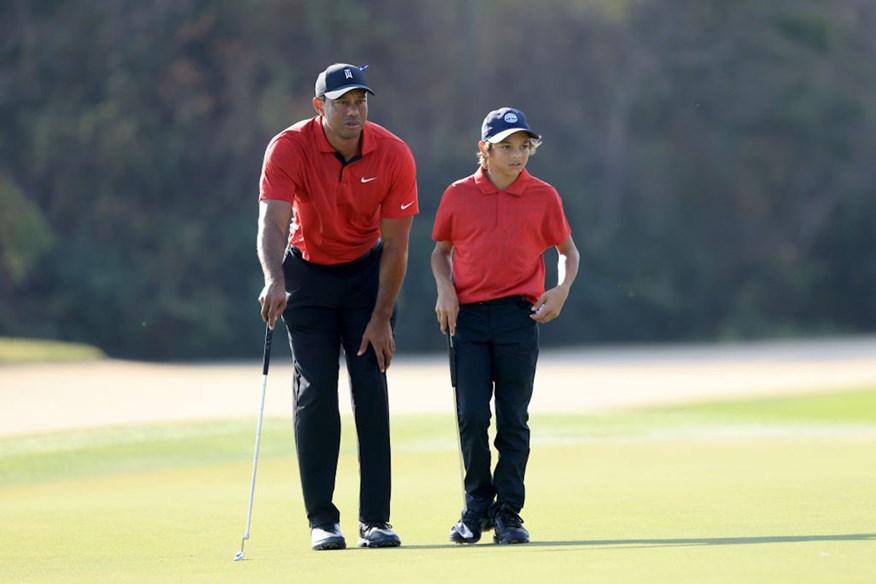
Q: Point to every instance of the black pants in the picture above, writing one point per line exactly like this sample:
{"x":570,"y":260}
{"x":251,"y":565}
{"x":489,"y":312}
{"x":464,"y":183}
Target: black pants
{"x":328,"y":309}
{"x":496,"y":346}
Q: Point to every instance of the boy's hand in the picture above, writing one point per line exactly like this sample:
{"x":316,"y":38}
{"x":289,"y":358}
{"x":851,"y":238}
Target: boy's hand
{"x":446,"y":311}
{"x":549,"y":305}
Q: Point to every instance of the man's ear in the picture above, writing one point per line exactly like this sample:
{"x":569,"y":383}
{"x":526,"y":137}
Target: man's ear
{"x":317,"y":105}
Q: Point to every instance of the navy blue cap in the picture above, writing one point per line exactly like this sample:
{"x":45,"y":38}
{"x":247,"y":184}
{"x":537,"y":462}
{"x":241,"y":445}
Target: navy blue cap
{"x":501,"y":123}
{"x":340,"y":78}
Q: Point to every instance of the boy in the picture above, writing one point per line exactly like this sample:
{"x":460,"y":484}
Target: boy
{"x":491,"y":231}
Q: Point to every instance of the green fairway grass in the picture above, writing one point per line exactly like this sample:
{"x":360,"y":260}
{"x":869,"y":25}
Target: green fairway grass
{"x":15,"y":350}
{"x":777,"y":490}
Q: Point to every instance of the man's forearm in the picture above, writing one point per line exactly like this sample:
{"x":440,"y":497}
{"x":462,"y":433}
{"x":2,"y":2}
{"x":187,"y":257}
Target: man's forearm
{"x":271,"y":246}
{"x":393,"y":267}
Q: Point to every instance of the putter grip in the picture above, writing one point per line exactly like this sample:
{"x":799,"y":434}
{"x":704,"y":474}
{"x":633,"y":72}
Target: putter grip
{"x":451,"y":350}
{"x":269,"y":333}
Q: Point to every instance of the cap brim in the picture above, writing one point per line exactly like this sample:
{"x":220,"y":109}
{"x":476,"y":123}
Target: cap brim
{"x":339,"y":92}
{"x":505,"y":133}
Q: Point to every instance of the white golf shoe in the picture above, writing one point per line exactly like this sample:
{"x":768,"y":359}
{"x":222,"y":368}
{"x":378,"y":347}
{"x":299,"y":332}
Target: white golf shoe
{"x":377,"y":535}
{"x":327,"y":537}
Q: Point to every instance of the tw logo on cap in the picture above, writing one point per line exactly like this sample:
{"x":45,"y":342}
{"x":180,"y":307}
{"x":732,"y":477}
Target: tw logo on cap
{"x":340,"y":78}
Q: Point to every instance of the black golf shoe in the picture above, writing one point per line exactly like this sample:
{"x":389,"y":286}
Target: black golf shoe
{"x":469,"y":527}
{"x":376,"y":534}
{"x":509,"y":527}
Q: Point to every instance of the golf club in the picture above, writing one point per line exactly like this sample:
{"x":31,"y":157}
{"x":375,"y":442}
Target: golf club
{"x":451,"y":351}
{"x":266,"y":360}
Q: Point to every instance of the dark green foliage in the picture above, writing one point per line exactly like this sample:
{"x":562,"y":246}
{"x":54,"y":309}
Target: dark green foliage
{"x":715,"y":159}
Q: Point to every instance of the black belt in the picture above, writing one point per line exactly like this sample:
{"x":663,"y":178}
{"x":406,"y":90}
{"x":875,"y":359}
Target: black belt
{"x":359,"y":260}
{"x":503,"y":300}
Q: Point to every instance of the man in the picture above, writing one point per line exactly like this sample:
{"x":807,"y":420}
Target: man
{"x":348,"y":186}
{"x":491,"y":231}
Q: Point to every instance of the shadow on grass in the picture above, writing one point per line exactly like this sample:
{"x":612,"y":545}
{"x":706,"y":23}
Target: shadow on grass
{"x":673,"y":542}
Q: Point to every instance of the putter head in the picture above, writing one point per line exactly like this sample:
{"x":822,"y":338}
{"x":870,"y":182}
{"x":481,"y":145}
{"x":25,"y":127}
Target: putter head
{"x":238,"y":556}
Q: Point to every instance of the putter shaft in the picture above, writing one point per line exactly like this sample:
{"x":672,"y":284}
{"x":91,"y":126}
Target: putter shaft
{"x":266,"y":360}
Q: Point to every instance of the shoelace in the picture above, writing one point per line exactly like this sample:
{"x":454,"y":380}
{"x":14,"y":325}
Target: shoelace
{"x":510,"y":518}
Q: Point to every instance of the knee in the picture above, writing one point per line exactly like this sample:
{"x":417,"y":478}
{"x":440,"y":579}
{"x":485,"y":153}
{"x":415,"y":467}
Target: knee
{"x":512,"y":421}
{"x":473,"y":418}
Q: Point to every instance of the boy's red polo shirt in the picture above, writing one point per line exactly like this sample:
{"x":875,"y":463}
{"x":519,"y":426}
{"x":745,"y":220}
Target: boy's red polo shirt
{"x":499,"y":237}
{"x":337,"y":208}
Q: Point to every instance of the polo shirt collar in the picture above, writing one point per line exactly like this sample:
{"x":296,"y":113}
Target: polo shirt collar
{"x":486,"y":186}
{"x":368,"y":142}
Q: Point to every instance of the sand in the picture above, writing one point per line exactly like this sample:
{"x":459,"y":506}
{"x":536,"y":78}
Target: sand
{"x":62,"y":396}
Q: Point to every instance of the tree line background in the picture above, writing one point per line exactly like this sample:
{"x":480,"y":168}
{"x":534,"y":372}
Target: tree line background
{"x":716,"y":159}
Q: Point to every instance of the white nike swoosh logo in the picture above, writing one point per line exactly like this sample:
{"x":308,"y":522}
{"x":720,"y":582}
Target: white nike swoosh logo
{"x":368,"y":180}
{"x":406,"y":206}
{"x":464,"y":530}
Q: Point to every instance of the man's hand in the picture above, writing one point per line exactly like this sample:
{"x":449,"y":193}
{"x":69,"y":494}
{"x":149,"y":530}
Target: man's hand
{"x":378,"y":334}
{"x":273,"y":301}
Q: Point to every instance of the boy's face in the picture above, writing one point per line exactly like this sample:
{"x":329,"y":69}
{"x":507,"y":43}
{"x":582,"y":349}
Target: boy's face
{"x":509,"y":157}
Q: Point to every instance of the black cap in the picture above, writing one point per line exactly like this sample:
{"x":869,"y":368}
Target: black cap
{"x":340,"y":78}
{"x":501,"y":123}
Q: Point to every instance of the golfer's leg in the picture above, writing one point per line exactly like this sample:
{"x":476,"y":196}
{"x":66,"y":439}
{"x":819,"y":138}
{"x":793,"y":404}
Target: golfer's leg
{"x":474,"y":390}
{"x":370,"y":403}
{"x":368,"y":394}
{"x":317,"y":422}
{"x":515,"y":354}
{"x":315,"y":340}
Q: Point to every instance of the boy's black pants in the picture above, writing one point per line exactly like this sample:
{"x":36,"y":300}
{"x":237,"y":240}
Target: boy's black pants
{"x":496,"y":346}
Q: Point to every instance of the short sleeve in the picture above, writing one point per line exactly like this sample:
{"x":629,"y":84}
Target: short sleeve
{"x":402,"y":200}
{"x":441,"y":230}
{"x":278,"y":179}
{"x":555,"y":226}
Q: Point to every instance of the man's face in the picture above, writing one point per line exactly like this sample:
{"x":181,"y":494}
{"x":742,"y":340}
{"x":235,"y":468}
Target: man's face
{"x":346,"y":115}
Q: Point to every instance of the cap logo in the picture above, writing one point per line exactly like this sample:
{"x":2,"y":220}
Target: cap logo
{"x":510,"y":118}
{"x":348,"y":74}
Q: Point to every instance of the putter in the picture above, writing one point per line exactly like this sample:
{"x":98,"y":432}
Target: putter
{"x":451,"y":351}
{"x":266,"y":360}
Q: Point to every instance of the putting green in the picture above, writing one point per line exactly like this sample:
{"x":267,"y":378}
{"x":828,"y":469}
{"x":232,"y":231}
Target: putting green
{"x":771,"y":490}
{"x":16,"y":350}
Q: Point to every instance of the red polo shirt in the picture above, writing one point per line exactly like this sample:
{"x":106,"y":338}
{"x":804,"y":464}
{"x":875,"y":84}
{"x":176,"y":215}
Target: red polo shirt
{"x":499,"y":237}
{"x":337,"y":208}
